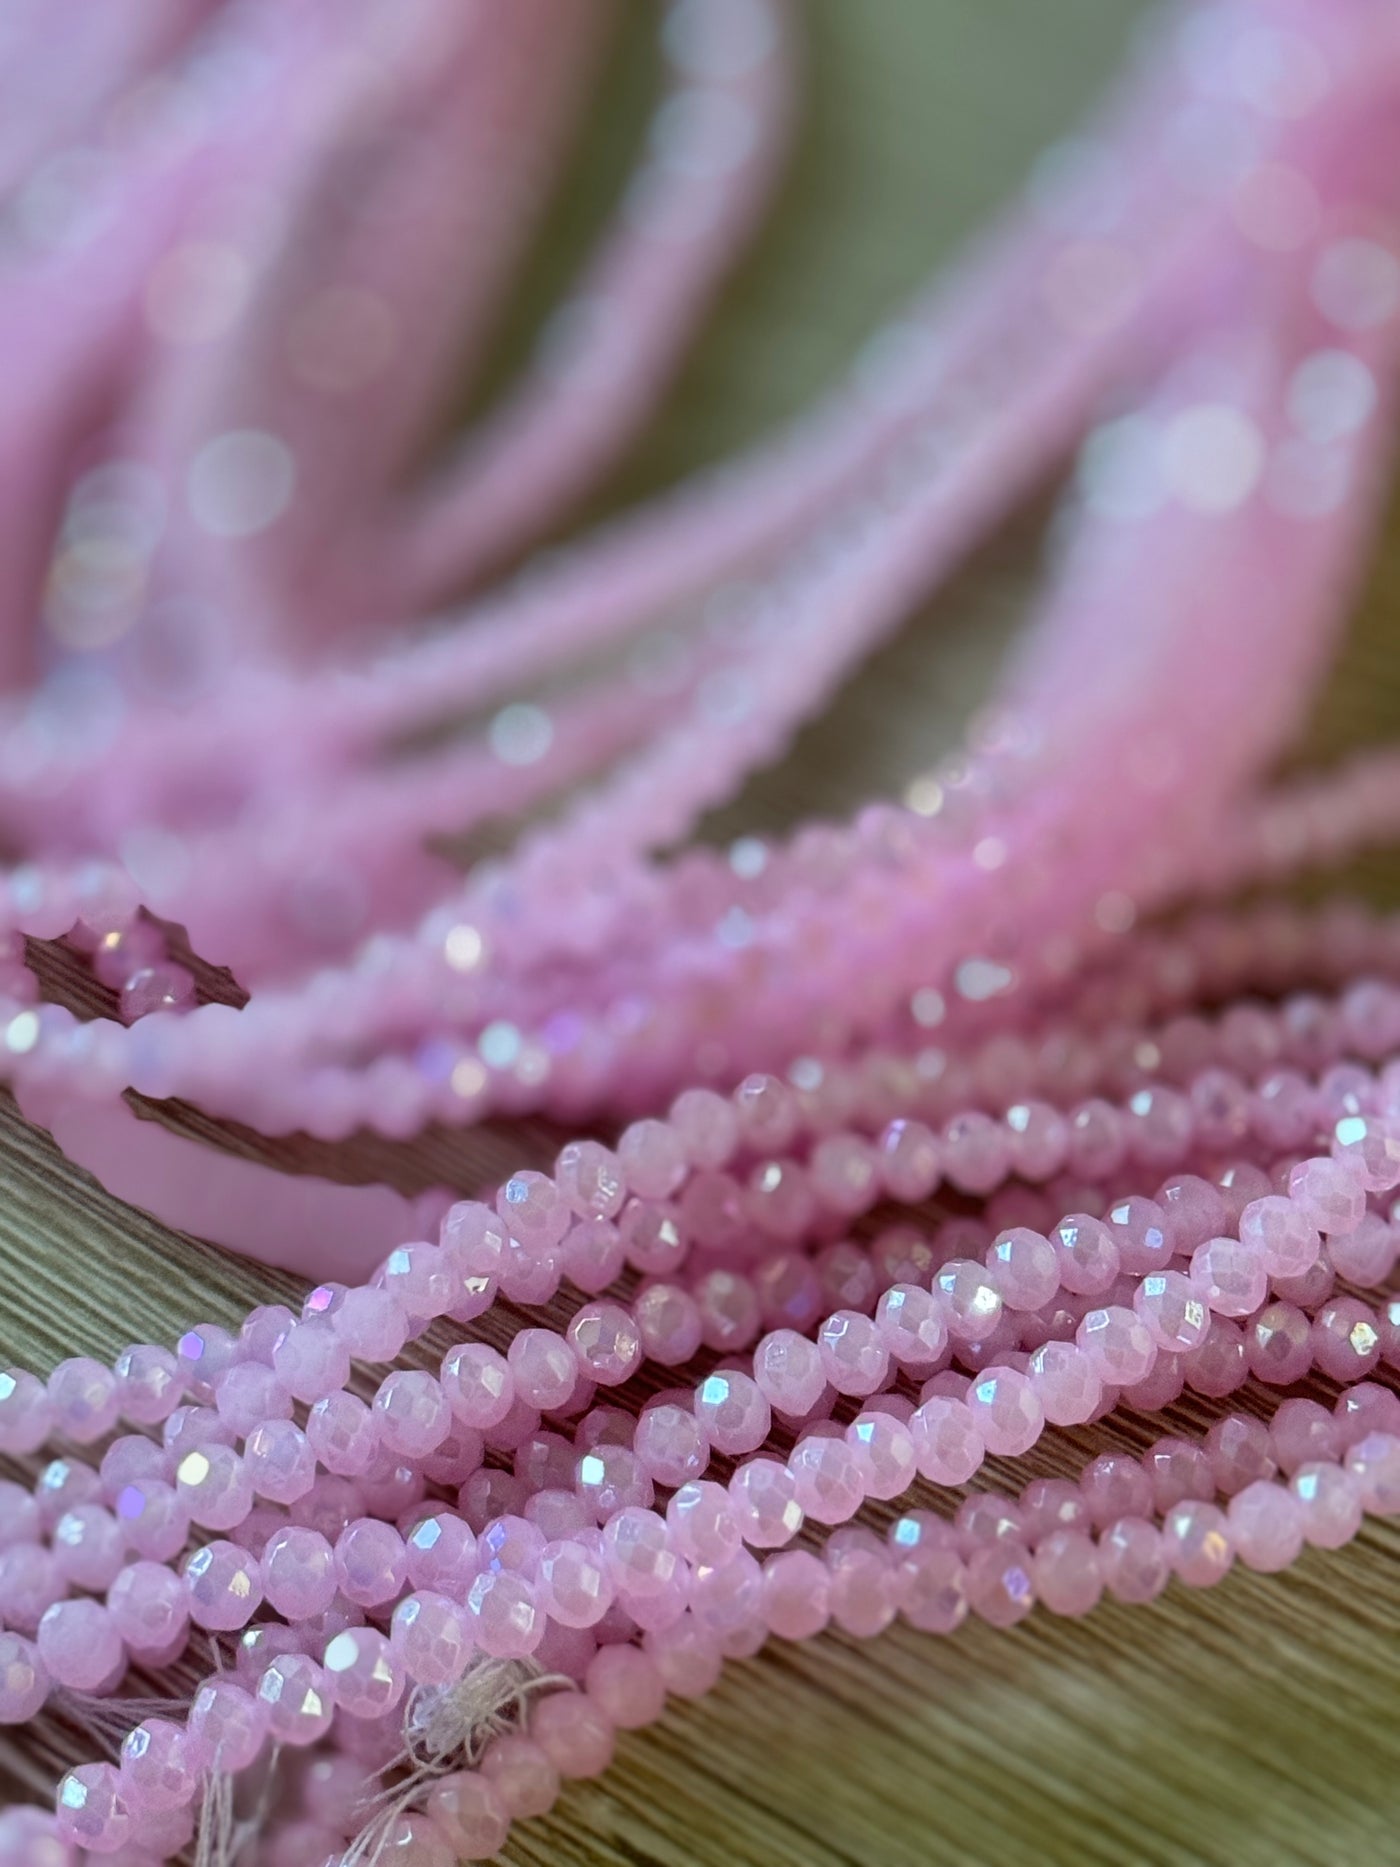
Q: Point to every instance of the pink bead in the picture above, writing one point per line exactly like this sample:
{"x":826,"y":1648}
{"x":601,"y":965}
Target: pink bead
{"x":790,"y":1372}
{"x":223,"y":1587}
{"x":156,"y":1770}
{"x":638,"y":1552}
{"x":1370,"y":1148}
{"x":478,"y":1384}
{"x":853,"y":1356}
{"x":573,"y":1733}
{"x":1194,"y":1211}
{"x":796,"y":1594}
{"x":249,"y":1393}
{"x":845,"y":1174}
{"x":1284,"y":1237}
{"x":1066,"y":1572}
{"x":976,"y":1152}
{"x":1025,"y":1268}
{"x":1240,"y":1453}
{"x":343,"y":1433}
{"x":30,"y":1837}
{"x":686,"y":1655}
{"x":1197,"y":1542}
{"x":1178,"y":1470}
{"x":1365,"y":1409}
{"x":573,"y":1585}
{"x":1366,"y":1256}
{"x":363,"y":1674}
{"x":671,"y":1445}
{"x":227,"y":1726}
{"x":862,"y":1598}
{"x":155,"y":1521}
{"x":88,"y":1545}
{"x":593,"y":1254}
{"x":884,"y":1447}
{"x":1117,"y":1343}
{"x":1066,"y":1383}
{"x":214,"y":1486}
{"x":24,"y":1680}
{"x":29,"y":1584}
{"x":473,"y":1239}
{"x":534,"y":1210}
{"x":827,"y":1475}
{"x":83,"y":1395}
{"x":1229,"y":1276}
{"x":471,"y":1814}
{"x":90,"y":1809}
{"x":1279,"y":1345}
{"x":668,"y":1322}
{"x":1374,"y":1462}
{"x":371,"y":1565}
{"x":279,"y":1462}
{"x":702,"y":1523}
{"x":930,"y":1578}
{"x":652,"y":1158}
{"x":148,"y":1384}
{"x":1176,"y":1315}
{"x":19,"y":1515}
{"x":1140,"y":1230}
{"x":730,"y":1314}
{"x":706,"y":1126}
{"x":148,"y":1607}
{"x":311,"y":1360}
{"x":1087,"y":1254}
{"x":544,"y":1369}
{"x":1345,"y":1341}
{"x":521,"y":1775}
{"x":416,"y":1841}
{"x":1329,"y":1194}
{"x":412,"y":1413}
{"x":79,"y":1645}
{"x":1303,"y":1432}
{"x":1266,"y":1526}
{"x":606,"y":1341}
{"x":1115,"y":1485}
{"x":624,"y":1684}
{"x":430,"y":1636}
{"x":1005,"y":1410}
{"x":947,"y":1441}
{"x":1050,"y":1504}
{"x":298,"y":1573}
{"x":999,"y":1584}
{"x":733,"y":1412}
{"x":911,"y":1327}
{"x":972,"y":1303}
{"x":909,"y":1161}
{"x":1329,"y":1502}
{"x":371,"y":1323}
{"x":763,"y":1499}
{"x":299,"y":1706}
{"x":1133,"y":1560}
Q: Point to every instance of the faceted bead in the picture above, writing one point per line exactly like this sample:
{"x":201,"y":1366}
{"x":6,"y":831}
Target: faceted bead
{"x":1117,"y":1343}
{"x":1303,"y":1432}
{"x":862,"y":1596}
{"x":1278,"y":1229}
{"x":412,"y":1413}
{"x":1025,"y":1267}
{"x":733,"y":1412}
{"x":1329,"y":1500}
{"x":440,"y":1554}
{"x":1345,"y":1341}
{"x":343,"y":1433}
{"x":728,"y":1600}
{"x":473,"y":1239}
{"x":223,"y":1587}
{"x":606,"y":1341}
{"x":1371,"y":1148}
{"x":90,"y":1809}
{"x":625,"y":1685}
{"x":88,"y":1545}
{"x":609,"y":1477}
{"x":999,"y":1584}
{"x":1050,"y":1504}
{"x":371,"y":1565}
{"x":730,"y":1313}
{"x":226,"y":1726}
{"x":249,"y":1393}
{"x":638,"y":1551}
{"x":430,"y":1635}
{"x":424,"y":1279}
{"x":1329,"y":1194}
{"x":909,"y":1161}
{"x":299,"y":1705}
{"x":298,"y":1573}
{"x":763,"y":1498}
{"x":26,"y":1412}
{"x":671,"y":1445}
{"x":1374,"y":1462}
{"x":1194,"y":1211}
{"x":478,"y":1383}
{"x":83,"y":1395}
{"x":214,"y":1486}
{"x":911,"y":1327}
{"x":1368,"y":1255}
{"x":1365,"y":1409}
{"x":845,"y":1174}
{"x":573,"y":1733}
{"x":686,"y":1655}
{"x":521,"y":1775}
{"x":854,"y":1358}
{"x":1140,"y":1230}
{"x":1279,"y":1344}
{"x":931,"y":1583}
{"x":534,"y":1210}
{"x":1066,"y":1572}
{"x":79,"y":1644}
{"x":652,"y":1158}
{"x":976,"y":1152}
{"x":1115,"y":1485}
{"x":593,"y":1254}
{"x":371,"y":1323}
{"x":1196,"y":1539}
{"x":148,"y":1384}
{"x":148,"y":1607}
{"x":573,"y":1586}
{"x":362,"y":1672}
{"x":1175,"y":1313}
{"x":30,"y":1583}
{"x":827,"y":1479}
{"x":1266,"y":1526}
{"x":706,"y":1125}
{"x":796,"y":1594}
{"x":790,"y":1372}
{"x":1178,"y":1470}
{"x":1240,"y":1453}
{"x":702,"y":1523}
{"x":947,"y":1441}
{"x":1087,"y":1253}
{"x":668,"y":1322}
{"x":24,"y":1679}
{"x":1005,"y":1410}
{"x":156,"y":1770}
{"x":279,"y":1462}
{"x":1220,"y":1365}
{"x":471,"y":1814}
{"x":971,"y":1301}
{"x":1133,"y":1560}
{"x":884,"y":1447}
{"x":1066,"y":1383}
{"x":1229,"y":1276}
{"x":544,"y":1368}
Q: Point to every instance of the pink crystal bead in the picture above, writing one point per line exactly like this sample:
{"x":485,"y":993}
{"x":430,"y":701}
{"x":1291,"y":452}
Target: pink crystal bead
{"x":1229,"y":1276}
{"x":671,"y":1444}
{"x":1066,"y":1382}
{"x":88,"y":1545}
{"x":1197,"y":1541}
{"x":226,"y":1727}
{"x":884,"y":1448}
{"x":1374,"y":1462}
{"x":1370,"y":1148}
{"x":371,"y":1564}
{"x":862,"y":1597}
{"x":623,"y":1682}
{"x":279,"y":1462}
{"x":790,"y":1372}
{"x":1329,"y":1194}
{"x":84,"y":1398}
{"x":1176,"y":1314}
{"x":854,"y":1358}
{"x":606,"y":1341}
{"x":999,"y":1583}
{"x":223,"y":1587}
{"x":573,"y":1585}
{"x":1133,"y":1560}
{"x":1087,"y":1254}
{"x":638,"y":1552}
{"x":1005,"y":1410}
{"x":91,"y":1810}
{"x":430,"y":1634}
{"x":214,"y":1486}
{"x":573,"y":1733}
{"x":156,"y":1769}
{"x":343,"y":1433}
{"x":911,"y":1327}
{"x":1117,"y":1344}
{"x":1240,"y":1453}
{"x":1266,"y":1526}
{"x":26,"y":1412}
{"x":412,"y":1414}
{"x":299,"y":1707}
{"x":1345,"y":1341}
{"x":544,"y":1369}
{"x":148,"y":1607}
{"x":371,"y":1323}
{"x":1329,"y":1504}
{"x":827,"y":1478}
{"x":971,"y":1301}
{"x":763,"y":1499}
{"x":733,"y":1411}
{"x":472,"y":1814}
{"x":521,"y":1775}
{"x":1026,"y":1268}
{"x":24,"y":1679}
{"x":478,"y":1383}
{"x":362,"y":1672}
{"x":1140,"y":1230}
{"x":1066,"y":1572}
{"x":298,"y":1572}
{"x":948,"y":1443}
{"x":702,"y":1524}
{"x":80,"y":1645}
{"x":651,"y":1158}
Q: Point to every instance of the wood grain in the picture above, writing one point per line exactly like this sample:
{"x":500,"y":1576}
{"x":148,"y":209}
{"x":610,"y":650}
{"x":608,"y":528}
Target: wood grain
{"x":1255,"y":1726}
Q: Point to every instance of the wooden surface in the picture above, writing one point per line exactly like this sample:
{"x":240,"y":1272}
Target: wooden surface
{"x":1256,"y":1726}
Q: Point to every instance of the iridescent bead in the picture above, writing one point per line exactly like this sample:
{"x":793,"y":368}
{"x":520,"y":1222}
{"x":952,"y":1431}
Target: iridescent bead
{"x":471,"y":1814}
{"x":214,"y":1486}
{"x":1374,"y":1462}
{"x":884,"y":1447}
{"x":702,"y":1524}
{"x":79,"y":1645}
{"x":1365,"y":1409}
{"x":1196,"y":1539}
{"x":1240,"y":1453}
{"x":1220,"y":1365}
{"x":947,"y":1441}
{"x":1175,"y":1313}
{"x":223,"y":1587}
{"x":652,"y":1158}
{"x":90,"y":1809}
{"x":728,"y":1599}
{"x":226,"y":1726}
{"x":533,"y":1210}
{"x":371,"y":1323}
{"x":412,"y":1413}
{"x":19,"y":1515}
{"x":910,"y":1161}
{"x":1229,"y":1276}
{"x":589,"y":1177}
{"x":299,"y":1706}
{"x":343,"y":1434}
{"x":1328,"y":1193}
{"x":733,"y":1412}
{"x":606,"y":1341}
{"x":975,"y":1152}
{"x":1117,"y":1344}
{"x":911,"y":1327}
{"x":668,"y":1322}
{"x":363,"y":1674}
{"x":853,"y":1355}
{"x":637,"y":1549}
{"x":1066,"y":1572}
{"x":671,"y":1445}
{"x":24,"y":1679}
{"x":1279,"y":1344}
{"x":1368,"y":1255}
{"x":730,"y":1312}
{"x":156,"y":1769}
{"x":862,"y":1597}
{"x":706,"y":1125}
{"x":544,"y":1368}
{"x":88,"y":1546}
{"x":430,"y":1635}
{"x":297,"y":1568}
{"x":148,"y":1384}
{"x":790,"y":1372}
{"x":1133,"y":1560}
{"x":572,"y":1584}
{"x":1140,"y":1230}
{"x":203,"y":1353}
{"x":930,"y":1577}
{"x":1087,"y":1254}
{"x":1025,"y":1267}
{"x":83,"y":1395}
{"x":999,"y":1584}
{"x":440,"y":1554}
{"x":1066,"y":1383}
{"x":686,"y":1655}
{"x":827,"y":1478}
{"x":153,"y":1518}
{"x":1266,"y":1526}
{"x":796,"y":1594}
{"x":972,"y":1304}
{"x":370,"y":1562}
{"x":148,"y":1607}
{"x":1345,"y":1341}
{"x":478,"y":1383}
{"x":29,"y":1584}
{"x":1005,"y":1411}
{"x":763,"y":1500}
{"x":248,"y":1393}
{"x":1329,"y":1503}
{"x":1177,"y":1471}
{"x":1369,"y":1147}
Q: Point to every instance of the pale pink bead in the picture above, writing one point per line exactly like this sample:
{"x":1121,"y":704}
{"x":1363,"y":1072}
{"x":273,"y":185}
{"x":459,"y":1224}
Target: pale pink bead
{"x":279,"y":1461}
{"x":1220,"y":1107}
{"x":298,"y":1572}
{"x":530,"y":1276}
{"x":416,"y":1841}
{"x":972,"y":1304}
{"x":156,"y":1523}
{"x":148,"y":1384}
{"x":372,"y":1324}
{"x":930,"y":1577}
{"x":343,"y":1433}
{"x":1279,"y":1345}
{"x":534,"y":1210}
{"x":729,"y":1310}
{"x":999,"y":1584}
{"x":1329,"y":1500}
{"x":1005,"y":1410}
{"x":1086,"y":1253}
{"x":652,"y":1158}
{"x":521,"y":1775}
{"x":733,"y":1411}
{"x":1025,"y":1268}
{"x":606,"y":1341}
{"x":79,"y":1644}
{"x":29,"y":1837}
{"x":472,"y":1814}
{"x":472,"y":1240}
{"x":311,"y":1360}
{"x":668,"y":1323}
{"x":729,"y":1602}
{"x":796,"y":1594}
{"x":1097,"y":1139}
{"x":911,"y":1327}
{"x":948,"y":1443}
{"x":1133,"y":1560}
{"x":885,"y":1448}
{"x":1240,"y":1453}
{"x":853,"y":1355}
{"x":593,"y":1254}
{"x":63,"y":1485}
{"x":1160,"y":1387}
{"x":24,"y":1679}
{"x":902,"y":1255}
{"x":1286,"y":1240}
{"x":371,"y":1564}
{"x":1229,"y":1276}
{"x":790,"y":1372}
{"x":1175,"y":1313}
{"x":412,"y":1413}
{"x":478,"y":1384}
{"x":909,"y":1161}
{"x":430,"y":1635}
{"x":1368,"y":1255}
{"x":848,"y":1277}
{"x":1365,"y":1409}
{"x":84,"y":1398}
{"x":90,"y":1809}
{"x":1369,"y":1147}
{"x":1194,"y":1209}
{"x":671,"y":1444}
{"x":1345,"y":1341}
{"x":504,"y":1614}
{"x":223,"y":1587}
{"x":763,"y":1500}
{"x":1220,"y":1365}
{"x":128,"y":1460}
{"x":440,"y":1554}
{"x":862,"y":1599}
{"x":638,"y":1551}
{"x":1328,"y":1193}
{"x":654,"y":1237}
{"x":1303,"y":1432}
{"x":573,"y":1586}
{"x":249,"y":1393}
{"x":1050,"y":1504}
{"x":789,"y":1291}
{"x":26,"y":1412}
{"x":766,"y":1111}
{"x":1117,"y":1343}
{"x":226,"y":1726}
{"x":828,"y":1478}
{"x":148,"y":1606}
{"x":1197,"y":1542}
{"x":845,"y":1174}
{"x":1066,"y":1573}
{"x":299,"y":1705}
{"x":702,"y":1523}
{"x":1266,"y":1526}
{"x":29,"y":1584}
{"x":1374,"y":1462}
{"x":625,"y":1685}
{"x":1178,"y":1470}
{"x":610,"y":1477}
{"x":706,"y":1125}
{"x":215,"y":1487}
{"x":88,"y":1546}
{"x":686,"y":1655}
{"x":573,"y":1733}
{"x":1140,"y":1230}
{"x":156,"y":1769}
{"x":1067,"y":1383}
{"x":976,"y":1152}
{"x":589,"y":1178}
{"x":489,"y":1494}
{"x":544,"y":1369}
